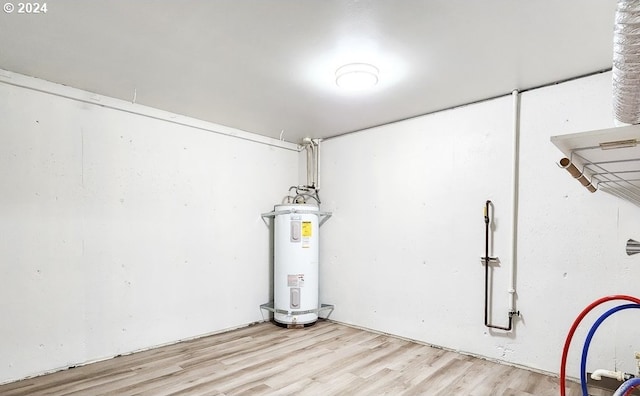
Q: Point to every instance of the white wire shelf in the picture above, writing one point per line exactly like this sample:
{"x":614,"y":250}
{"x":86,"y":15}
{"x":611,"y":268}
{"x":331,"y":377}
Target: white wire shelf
{"x":607,"y":160}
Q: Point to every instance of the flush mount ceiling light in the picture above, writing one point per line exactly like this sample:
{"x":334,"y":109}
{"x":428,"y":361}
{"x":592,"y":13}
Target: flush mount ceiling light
{"x":357,"y":76}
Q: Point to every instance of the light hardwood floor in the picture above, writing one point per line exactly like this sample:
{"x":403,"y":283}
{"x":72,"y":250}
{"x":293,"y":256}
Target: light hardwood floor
{"x":324,"y":359}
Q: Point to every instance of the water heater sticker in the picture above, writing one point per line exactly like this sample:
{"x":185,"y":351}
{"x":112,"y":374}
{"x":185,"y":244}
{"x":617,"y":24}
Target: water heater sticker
{"x":306,"y":228}
{"x":296,"y":280}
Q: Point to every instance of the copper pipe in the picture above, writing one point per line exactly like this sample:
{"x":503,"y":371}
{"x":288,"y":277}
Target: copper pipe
{"x":487,"y":261}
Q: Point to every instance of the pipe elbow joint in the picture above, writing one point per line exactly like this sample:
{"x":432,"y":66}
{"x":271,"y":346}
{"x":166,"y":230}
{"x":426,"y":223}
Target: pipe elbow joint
{"x":599,"y":373}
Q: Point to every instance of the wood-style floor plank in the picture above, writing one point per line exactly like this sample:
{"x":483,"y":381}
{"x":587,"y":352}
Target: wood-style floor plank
{"x":264,"y":359}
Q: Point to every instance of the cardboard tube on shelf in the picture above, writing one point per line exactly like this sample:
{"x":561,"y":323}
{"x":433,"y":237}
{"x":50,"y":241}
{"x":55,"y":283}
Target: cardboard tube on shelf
{"x":575,"y":172}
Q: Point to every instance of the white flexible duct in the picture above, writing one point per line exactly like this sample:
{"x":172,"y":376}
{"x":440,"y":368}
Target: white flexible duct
{"x":626,"y":62}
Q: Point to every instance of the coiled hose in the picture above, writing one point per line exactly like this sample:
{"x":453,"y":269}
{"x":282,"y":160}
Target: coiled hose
{"x":572,"y":330}
{"x":587,"y":343}
{"x":626,"y":388}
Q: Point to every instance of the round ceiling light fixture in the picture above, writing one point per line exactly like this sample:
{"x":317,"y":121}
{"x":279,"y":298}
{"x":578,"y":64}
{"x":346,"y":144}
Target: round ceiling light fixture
{"x":356,"y":76}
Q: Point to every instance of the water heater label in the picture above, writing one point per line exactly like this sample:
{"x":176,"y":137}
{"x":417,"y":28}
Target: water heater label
{"x":296,"y":280}
{"x":306,"y":228}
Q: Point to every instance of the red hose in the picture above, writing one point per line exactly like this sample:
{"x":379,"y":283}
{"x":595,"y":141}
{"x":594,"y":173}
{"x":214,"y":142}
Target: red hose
{"x":567,"y":342}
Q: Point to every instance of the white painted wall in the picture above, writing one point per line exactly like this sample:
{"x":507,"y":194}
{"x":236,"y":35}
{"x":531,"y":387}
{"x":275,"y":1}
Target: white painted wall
{"x":401,"y":253}
{"x":119,"y":232}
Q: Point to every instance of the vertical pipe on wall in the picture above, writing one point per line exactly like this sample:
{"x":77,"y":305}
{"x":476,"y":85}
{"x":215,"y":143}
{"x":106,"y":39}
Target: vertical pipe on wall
{"x":317,"y":163}
{"x":310,"y":163}
{"x":514,"y":200}
{"x":312,"y":146}
{"x":514,"y":225}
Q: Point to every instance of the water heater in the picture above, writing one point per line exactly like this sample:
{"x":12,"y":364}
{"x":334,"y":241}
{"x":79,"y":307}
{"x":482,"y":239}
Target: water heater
{"x":295,"y":284}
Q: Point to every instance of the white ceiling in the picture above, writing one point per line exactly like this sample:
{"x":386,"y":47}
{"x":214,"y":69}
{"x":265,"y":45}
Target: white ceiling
{"x":269,"y":65}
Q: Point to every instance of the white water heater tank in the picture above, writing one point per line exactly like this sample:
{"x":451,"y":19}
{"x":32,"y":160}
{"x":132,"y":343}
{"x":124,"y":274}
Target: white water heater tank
{"x":295,"y":284}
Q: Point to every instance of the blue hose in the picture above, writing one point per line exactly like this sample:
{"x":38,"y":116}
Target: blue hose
{"x":624,"y":388}
{"x":585,"y":349}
